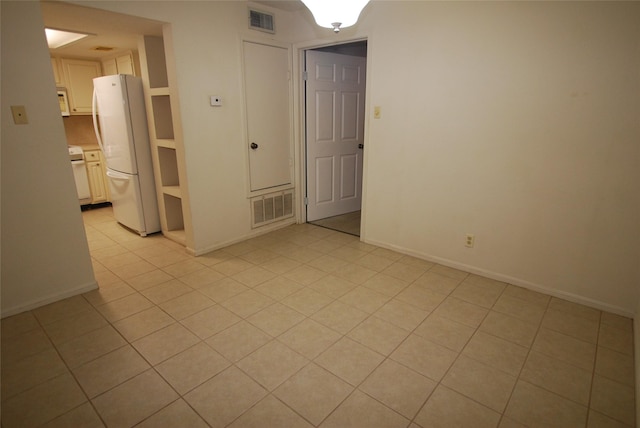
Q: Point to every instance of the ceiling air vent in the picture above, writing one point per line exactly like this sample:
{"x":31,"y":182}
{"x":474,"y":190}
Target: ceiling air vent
{"x":261,"y":21}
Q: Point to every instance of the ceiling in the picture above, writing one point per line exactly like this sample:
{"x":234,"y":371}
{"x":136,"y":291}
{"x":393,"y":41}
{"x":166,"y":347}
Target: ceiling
{"x":106,"y":28}
{"x":109,"y":29}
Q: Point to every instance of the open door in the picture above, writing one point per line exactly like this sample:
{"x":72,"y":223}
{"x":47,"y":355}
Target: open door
{"x":335,"y":99}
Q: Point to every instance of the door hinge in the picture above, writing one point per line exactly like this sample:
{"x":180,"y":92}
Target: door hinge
{"x":305,"y":75}
{"x":306,"y":200}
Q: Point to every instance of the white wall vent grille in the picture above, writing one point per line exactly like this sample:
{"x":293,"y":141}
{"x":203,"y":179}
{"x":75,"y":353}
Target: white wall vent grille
{"x":261,"y":21}
{"x":270,"y":208}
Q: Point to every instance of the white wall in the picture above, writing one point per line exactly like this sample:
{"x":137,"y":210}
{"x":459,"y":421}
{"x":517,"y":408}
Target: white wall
{"x":514,"y":121}
{"x":207,"y":44}
{"x":45,"y":256}
{"x":518,"y":123}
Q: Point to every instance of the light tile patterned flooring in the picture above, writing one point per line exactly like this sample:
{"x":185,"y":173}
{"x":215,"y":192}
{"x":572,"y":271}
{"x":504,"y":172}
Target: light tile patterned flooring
{"x":347,"y":223}
{"x":307,"y":327}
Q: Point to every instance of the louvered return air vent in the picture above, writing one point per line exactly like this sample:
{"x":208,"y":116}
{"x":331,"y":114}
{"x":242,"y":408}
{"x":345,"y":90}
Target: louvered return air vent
{"x":272,"y":207}
{"x":261,"y":21}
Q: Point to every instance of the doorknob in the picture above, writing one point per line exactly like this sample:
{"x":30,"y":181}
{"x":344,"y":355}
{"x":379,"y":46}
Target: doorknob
{"x":361,"y":146}
{"x":253,"y":146}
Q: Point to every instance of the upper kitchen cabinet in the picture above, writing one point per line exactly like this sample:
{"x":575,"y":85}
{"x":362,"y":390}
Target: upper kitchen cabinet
{"x":79,"y":75}
{"x":121,"y":64}
{"x":58,"y":75}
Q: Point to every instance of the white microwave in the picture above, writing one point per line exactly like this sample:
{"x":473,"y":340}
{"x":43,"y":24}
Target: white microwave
{"x":63,"y":100}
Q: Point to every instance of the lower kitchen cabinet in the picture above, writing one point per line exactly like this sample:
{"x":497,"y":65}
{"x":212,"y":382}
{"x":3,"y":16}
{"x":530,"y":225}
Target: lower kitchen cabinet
{"x":97,"y":173}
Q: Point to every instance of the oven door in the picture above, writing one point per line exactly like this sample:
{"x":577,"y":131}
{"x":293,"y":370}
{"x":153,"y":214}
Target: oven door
{"x":82,"y":181}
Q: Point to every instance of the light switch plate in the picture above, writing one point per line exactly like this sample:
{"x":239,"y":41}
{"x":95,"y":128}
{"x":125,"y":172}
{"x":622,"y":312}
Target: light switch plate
{"x":19,"y":115}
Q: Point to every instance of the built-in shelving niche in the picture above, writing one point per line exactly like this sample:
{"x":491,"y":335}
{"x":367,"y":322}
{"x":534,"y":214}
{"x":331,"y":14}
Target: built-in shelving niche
{"x":163,"y":120}
{"x":165,"y":144}
{"x":168,"y":167}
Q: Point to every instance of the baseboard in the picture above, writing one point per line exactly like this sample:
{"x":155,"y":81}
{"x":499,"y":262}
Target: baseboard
{"x":254,"y":234}
{"x":49,"y":299}
{"x":510,"y":280}
{"x":636,"y":342}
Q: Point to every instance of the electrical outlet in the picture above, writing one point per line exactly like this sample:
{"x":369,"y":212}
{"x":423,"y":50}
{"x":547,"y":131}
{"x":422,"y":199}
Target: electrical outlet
{"x":469,"y":240}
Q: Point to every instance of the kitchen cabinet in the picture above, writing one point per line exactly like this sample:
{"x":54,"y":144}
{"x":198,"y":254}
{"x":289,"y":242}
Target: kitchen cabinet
{"x":97,"y":174}
{"x":121,"y":64}
{"x":79,"y":75}
{"x":58,"y":75}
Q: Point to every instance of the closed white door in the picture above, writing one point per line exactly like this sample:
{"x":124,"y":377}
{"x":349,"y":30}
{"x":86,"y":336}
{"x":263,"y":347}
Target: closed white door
{"x":266,"y":75}
{"x":335,"y":92}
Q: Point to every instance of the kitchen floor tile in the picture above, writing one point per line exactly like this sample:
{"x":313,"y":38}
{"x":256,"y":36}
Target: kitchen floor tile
{"x":401,"y":314}
{"x":445,"y":332}
{"x":496,"y":352}
{"x":223,"y":398}
{"x":349,"y":360}
{"x":270,"y":412}
{"x":398,"y":387}
{"x":361,"y":410}
{"x":192,"y":367}
{"x":565,"y":348}
{"x":425,"y":357}
{"x":447,"y":408}
{"x":53,"y":398}
{"x":304,"y":326}
{"x":30,"y":371}
{"x":210,"y":321}
{"x":309,"y":338}
{"x":313,"y":393}
{"x":176,"y":414}
{"x":556,"y":376}
{"x":238,"y":341}
{"x":534,"y":406}
{"x":143,"y":323}
{"x":83,"y":416}
{"x":379,"y":335}
{"x":484,"y":384}
{"x":90,"y":346}
{"x":110,"y":370}
{"x":272,"y":364}
{"x":613,"y":399}
{"x":340,"y":317}
{"x":134,"y":400}
{"x":165,"y":343}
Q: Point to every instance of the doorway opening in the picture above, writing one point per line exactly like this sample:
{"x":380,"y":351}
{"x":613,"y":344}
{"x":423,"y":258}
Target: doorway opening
{"x":334,"y":99}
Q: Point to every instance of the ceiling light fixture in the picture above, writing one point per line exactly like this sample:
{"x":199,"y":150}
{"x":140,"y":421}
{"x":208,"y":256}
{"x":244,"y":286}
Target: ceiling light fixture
{"x":335,"y":14}
{"x":58,"y":38}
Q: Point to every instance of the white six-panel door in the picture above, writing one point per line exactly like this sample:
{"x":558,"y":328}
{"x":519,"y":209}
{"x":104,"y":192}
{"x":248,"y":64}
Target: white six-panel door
{"x":335,"y":92}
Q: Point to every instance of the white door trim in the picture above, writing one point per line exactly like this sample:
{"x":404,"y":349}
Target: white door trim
{"x":300,"y":129}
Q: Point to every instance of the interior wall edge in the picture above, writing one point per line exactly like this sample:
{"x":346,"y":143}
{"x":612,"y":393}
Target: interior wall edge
{"x":49,"y":299}
{"x":575,"y":298}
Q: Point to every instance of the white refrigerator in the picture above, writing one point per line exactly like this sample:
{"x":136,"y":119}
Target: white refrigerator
{"x":123,"y":136}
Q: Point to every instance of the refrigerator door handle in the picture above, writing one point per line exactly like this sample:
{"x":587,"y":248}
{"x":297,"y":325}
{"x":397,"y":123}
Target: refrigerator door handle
{"x":118,"y":176}
{"x":95,"y":119}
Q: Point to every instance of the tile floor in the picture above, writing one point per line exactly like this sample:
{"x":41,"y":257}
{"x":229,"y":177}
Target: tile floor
{"x":347,"y":223}
{"x":307,"y":327}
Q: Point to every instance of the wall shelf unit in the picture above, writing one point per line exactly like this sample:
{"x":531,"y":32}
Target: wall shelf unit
{"x":166,"y":144}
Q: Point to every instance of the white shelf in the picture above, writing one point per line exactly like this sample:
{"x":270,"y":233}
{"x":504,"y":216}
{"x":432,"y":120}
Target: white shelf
{"x":172,"y":190}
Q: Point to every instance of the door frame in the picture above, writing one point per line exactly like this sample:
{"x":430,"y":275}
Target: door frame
{"x":300,"y":130}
